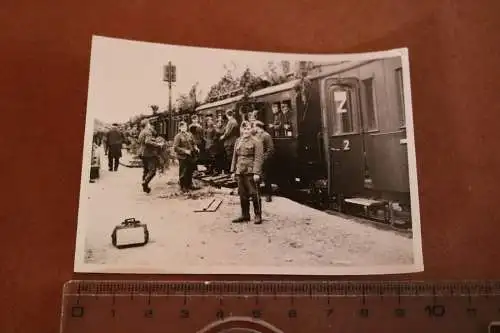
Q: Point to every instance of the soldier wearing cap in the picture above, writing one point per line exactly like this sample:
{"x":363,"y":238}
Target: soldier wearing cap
{"x":277,"y":123}
{"x":268,"y":149}
{"x":114,"y":143}
{"x":252,"y":119}
{"x":287,"y":119}
{"x":148,"y":148}
{"x":186,"y":149}
{"x":246,"y":167}
{"x":196,"y":130}
{"x":229,"y":137}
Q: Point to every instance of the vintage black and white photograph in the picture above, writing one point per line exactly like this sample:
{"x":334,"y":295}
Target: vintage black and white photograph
{"x":212,"y":161}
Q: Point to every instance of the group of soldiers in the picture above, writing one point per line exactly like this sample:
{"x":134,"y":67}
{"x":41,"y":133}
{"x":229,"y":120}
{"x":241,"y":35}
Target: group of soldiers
{"x":225,"y":147}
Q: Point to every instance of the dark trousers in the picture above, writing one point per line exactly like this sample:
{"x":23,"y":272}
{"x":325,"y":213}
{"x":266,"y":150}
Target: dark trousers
{"x":266,"y":177}
{"x":219,"y":157}
{"x":248,"y":188}
{"x":113,"y":162}
{"x":210,"y":161}
{"x":229,"y":150}
{"x":149,"y":165}
{"x":186,"y":169}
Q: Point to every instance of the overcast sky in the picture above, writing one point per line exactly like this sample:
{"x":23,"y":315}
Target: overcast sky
{"x":126,"y":76}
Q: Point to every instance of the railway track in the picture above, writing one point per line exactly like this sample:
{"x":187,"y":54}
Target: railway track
{"x":304,"y":198}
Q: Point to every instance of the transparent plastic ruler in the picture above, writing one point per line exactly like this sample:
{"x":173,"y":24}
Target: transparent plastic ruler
{"x":270,"y":307}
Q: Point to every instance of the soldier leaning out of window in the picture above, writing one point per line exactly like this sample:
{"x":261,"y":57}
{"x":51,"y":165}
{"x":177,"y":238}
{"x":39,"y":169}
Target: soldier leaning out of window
{"x":277,"y":122}
{"x":246,"y":168}
{"x":287,"y":119}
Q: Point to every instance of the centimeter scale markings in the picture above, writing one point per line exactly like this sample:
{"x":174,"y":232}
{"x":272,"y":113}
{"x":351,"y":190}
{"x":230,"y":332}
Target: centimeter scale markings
{"x":271,"y":307}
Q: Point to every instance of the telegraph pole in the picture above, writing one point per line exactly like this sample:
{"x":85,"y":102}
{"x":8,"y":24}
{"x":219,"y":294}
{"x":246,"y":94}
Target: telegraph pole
{"x":170,"y":76}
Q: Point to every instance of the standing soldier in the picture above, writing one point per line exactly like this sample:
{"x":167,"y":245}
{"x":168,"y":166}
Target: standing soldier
{"x":210,"y":149}
{"x":219,"y":146}
{"x":186,"y":149}
{"x":268,"y":148}
{"x":246,"y":167}
{"x":114,"y":142}
{"x":229,"y":137}
{"x":148,"y":153}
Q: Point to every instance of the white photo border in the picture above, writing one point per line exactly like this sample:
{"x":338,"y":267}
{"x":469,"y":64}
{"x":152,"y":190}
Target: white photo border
{"x":418,"y":264}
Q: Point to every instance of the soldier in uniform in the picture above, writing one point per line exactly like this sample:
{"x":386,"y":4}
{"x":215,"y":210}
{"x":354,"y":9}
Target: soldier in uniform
{"x":268,"y":148}
{"x":148,"y":149}
{"x":196,"y":130}
{"x":287,"y":119}
{"x":114,"y":142}
{"x":219,"y":153}
{"x":252,"y":119}
{"x":229,"y":137}
{"x":186,"y":149}
{"x":210,"y":134}
{"x":246,"y":167}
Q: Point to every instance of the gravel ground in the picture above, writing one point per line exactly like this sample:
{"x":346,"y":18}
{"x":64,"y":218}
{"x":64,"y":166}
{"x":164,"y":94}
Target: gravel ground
{"x":291,"y":234}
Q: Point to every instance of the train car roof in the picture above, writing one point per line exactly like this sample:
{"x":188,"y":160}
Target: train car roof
{"x":275,"y":89}
{"x":219,"y":103}
{"x":342,"y":67}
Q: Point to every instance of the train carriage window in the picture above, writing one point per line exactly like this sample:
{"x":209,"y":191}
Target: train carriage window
{"x":400,"y":97}
{"x":370,"y":121}
{"x":343,"y":121}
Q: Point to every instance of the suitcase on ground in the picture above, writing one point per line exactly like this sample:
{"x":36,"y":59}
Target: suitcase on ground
{"x":130,"y":233}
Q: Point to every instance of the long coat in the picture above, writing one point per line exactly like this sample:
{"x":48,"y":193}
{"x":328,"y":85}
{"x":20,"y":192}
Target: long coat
{"x":248,"y":156}
{"x":115,"y":140}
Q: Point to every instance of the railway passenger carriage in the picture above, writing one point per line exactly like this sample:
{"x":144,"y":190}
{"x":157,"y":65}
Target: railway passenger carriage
{"x":214,"y":107}
{"x":346,"y":146}
{"x":364,"y":133}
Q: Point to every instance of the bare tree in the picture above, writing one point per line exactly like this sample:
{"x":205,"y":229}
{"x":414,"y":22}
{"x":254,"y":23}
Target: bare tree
{"x":277,"y":73}
{"x":195,"y":95}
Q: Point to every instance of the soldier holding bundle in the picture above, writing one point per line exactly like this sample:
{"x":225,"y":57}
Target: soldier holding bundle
{"x":186,"y":150}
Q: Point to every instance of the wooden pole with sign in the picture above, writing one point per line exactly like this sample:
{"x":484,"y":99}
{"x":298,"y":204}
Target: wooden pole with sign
{"x":170,"y":76}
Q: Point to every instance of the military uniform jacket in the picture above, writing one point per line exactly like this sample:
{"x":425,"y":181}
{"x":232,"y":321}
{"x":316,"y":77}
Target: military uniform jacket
{"x":183,"y":141}
{"x":115,"y":137}
{"x":231,"y":132}
{"x":210,"y":134}
{"x":197,"y":132}
{"x":247,"y":156}
{"x":147,"y":145}
{"x":267,"y":144}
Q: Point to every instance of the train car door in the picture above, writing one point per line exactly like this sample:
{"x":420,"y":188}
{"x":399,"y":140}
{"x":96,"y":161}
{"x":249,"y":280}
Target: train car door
{"x":345,"y":136}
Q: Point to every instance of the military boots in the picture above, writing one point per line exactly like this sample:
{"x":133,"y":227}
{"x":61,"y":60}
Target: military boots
{"x":257,"y":208}
{"x":245,"y":211}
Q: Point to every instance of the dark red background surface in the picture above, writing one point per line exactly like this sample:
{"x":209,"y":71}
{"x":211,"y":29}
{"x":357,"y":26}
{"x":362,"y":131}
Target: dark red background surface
{"x":454,"y":55}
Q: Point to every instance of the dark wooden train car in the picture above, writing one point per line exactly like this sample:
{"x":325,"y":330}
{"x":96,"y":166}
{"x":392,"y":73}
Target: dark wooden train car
{"x":348,"y":137}
{"x":167,"y":126}
{"x":214,"y":108}
{"x":364,"y":133}
{"x":298,"y":150}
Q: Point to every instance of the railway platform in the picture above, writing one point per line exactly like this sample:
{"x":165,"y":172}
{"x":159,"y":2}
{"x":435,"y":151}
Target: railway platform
{"x":196,"y":228}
